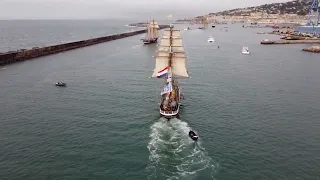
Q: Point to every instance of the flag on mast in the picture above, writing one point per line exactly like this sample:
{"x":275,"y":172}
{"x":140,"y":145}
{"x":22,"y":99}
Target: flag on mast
{"x":169,"y":16}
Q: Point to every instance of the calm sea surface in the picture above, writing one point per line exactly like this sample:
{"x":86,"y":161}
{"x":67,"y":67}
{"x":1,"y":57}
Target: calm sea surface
{"x":257,"y":115}
{"x":26,"y":34}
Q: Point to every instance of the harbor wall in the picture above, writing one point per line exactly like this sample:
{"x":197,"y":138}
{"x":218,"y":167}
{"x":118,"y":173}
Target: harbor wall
{"x":25,"y":54}
{"x":305,"y":41}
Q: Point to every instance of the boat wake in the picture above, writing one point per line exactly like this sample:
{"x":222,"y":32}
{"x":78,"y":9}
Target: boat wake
{"x":173,"y":155}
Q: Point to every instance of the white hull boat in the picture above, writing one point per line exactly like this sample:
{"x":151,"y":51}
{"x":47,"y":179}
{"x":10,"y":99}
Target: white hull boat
{"x":211,"y":39}
{"x":186,"y":29}
{"x":245,"y":51}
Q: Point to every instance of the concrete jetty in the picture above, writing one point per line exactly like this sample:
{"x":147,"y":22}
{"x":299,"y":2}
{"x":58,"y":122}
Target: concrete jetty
{"x":25,"y":54}
{"x":305,"y":41}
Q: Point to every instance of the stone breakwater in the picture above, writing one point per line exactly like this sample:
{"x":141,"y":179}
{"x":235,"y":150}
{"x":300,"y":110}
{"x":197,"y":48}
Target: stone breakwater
{"x":305,"y":41}
{"x":25,"y":54}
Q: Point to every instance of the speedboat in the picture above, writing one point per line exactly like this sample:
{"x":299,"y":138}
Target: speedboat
{"x":245,"y":50}
{"x":210,"y":39}
{"x":186,"y":29}
{"x":61,"y":84}
{"x":193,"y":135}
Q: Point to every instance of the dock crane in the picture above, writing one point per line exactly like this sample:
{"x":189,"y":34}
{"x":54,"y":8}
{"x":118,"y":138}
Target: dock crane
{"x":314,"y":11}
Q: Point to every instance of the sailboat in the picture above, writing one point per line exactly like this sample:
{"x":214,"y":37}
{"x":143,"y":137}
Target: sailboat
{"x":170,"y":65}
{"x":210,"y":39}
{"x":152,"y":33}
{"x":187,"y":28}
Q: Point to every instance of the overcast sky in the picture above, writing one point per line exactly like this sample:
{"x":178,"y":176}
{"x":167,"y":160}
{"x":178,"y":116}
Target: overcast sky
{"x":133,"y":9}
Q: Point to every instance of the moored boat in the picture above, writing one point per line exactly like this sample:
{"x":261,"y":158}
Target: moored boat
{"x":210,"y":39}
{"x":61,"y":84}
{"x":186,"y":29}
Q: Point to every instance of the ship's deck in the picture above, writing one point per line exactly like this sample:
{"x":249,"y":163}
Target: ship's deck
{"x":170,"y":102}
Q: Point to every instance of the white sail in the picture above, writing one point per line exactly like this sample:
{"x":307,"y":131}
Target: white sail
{"x":175,"y":34}
{"x":152,"y":30}
{"x":174,"y":42}
{"x":178,"y":65}
{"x":171,"y":50}
{"x":161,"y":63}
{"x":154,"y":25}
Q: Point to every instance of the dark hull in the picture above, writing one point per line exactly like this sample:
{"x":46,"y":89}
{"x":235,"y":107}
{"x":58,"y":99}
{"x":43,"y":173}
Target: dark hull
{"x":151,"y":41}
{"x":62,"y":85}
{"x":193,"y":136}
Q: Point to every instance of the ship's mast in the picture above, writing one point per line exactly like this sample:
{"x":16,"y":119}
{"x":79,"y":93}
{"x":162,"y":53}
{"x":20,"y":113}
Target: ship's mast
{"x":147,"y":31}
{"x":170,"y":49}
{"x":152,"y":29}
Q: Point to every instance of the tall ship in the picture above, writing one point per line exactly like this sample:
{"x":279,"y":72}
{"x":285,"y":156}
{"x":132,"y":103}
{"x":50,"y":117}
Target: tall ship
{"x":152,"y":33}
{"x":170,"y":66}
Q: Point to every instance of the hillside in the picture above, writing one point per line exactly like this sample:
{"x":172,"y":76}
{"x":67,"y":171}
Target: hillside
{"x":299,"y":7}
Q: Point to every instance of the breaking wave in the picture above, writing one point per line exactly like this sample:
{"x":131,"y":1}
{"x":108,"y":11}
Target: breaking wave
{"x":173,"y":155}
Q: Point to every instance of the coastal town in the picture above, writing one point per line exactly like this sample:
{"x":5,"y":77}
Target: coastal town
{"x":297,"y":22}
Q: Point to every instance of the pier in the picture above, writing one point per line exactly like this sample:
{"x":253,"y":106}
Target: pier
{"x":25,"y":54}
{"x":305,"y":41}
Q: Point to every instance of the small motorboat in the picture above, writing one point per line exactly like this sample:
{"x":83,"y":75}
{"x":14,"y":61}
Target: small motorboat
{"x":245,"y":50}
{"x":186,"y":29}
{"x":61,"y":84}
{"x":193,"y":135}
{"x":210,"y":39}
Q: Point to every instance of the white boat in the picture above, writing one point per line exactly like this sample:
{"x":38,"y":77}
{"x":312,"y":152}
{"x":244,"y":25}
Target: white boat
{"x":186,"y":29}
{"x":61,"y":84}
{"x":210,"y":39}
{"x":170,"y":65}
{"x":245,"y":50}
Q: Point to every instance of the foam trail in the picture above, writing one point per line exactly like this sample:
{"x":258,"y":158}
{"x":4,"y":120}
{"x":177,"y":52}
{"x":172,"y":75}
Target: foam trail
{"x":173,"y":155}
